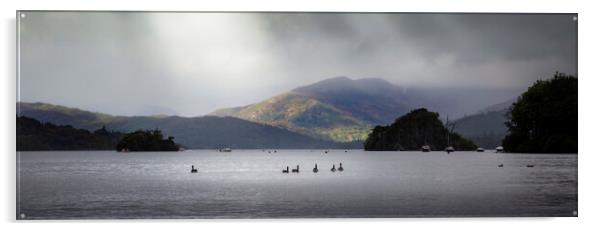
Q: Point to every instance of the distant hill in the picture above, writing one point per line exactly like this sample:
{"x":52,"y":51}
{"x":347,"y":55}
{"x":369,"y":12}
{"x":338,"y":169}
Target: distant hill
{"x":412,"y":131}
{"x":197,"y":132}
{"x":343,"y":109}
{"x":32,"y":135}
{"x":486,"y":128}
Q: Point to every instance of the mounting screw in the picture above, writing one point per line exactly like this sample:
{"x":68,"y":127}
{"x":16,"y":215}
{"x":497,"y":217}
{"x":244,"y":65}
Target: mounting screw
{"x":22,"y":215}
{"x":22,"y":15}
{"x":574,"y":18}
{"x":574,"y":212}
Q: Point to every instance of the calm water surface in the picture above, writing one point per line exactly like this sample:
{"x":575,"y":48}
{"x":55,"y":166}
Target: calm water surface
{"x":249,"y":184}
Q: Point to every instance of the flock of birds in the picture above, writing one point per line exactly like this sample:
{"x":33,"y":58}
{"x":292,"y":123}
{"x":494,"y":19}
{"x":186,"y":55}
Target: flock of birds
{"x":315,"y":170}
{"x":528,"y":166}
{"x":333,"y":169}
{"x":287,"y":170}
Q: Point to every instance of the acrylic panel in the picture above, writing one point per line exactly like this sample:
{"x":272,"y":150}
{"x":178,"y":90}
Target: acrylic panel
{"x":171,"y":115}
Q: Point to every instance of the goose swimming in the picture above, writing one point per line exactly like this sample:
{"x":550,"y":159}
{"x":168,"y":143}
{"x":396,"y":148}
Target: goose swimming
{"x":333,"y":169}
{"x":316,"y":168}
{"x":285,"y":170}
{"x":340,"y":167}
{"x":296,"y":170}
{"x":193,"y":170}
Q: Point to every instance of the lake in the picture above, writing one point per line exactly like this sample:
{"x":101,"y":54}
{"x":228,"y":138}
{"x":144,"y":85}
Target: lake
{"x":250,"y":184}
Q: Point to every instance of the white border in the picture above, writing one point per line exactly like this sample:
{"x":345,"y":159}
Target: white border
{"x":589,"y":111}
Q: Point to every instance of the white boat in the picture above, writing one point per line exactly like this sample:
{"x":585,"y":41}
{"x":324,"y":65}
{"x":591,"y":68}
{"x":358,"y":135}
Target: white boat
{"x":225,"y":150}
{"x":480,"y":150}
{"x":449,"y":127}
{"x":499,"y":149}
{"x":426,"y":148}
{"x":450,"y":149}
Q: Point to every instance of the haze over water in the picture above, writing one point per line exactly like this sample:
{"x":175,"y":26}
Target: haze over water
{"x":250,"y":184}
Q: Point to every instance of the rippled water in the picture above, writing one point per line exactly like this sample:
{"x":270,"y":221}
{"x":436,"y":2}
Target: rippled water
{"x":249,"y":184}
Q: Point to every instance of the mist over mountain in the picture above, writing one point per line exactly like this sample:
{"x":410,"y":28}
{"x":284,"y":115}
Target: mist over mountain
{"x":196,"y":132}
{"x":373,"y":101}
{"x":344,"y":109}
{"x":486,"y":128}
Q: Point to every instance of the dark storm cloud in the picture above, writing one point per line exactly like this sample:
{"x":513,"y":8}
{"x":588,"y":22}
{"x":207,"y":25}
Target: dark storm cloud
{"x":194,"y":63}
{"x":471,"y":37}
{"x":477,"y":38}
{"x":509,"y":50}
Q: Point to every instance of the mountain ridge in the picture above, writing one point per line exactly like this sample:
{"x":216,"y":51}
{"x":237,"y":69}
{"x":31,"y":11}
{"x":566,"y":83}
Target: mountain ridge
{"x":193,"y":132}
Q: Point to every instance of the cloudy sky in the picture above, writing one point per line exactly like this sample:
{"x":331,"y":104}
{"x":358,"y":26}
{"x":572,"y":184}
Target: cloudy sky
{"x":193,"y":63}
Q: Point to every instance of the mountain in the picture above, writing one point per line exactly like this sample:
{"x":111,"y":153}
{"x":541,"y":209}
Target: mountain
{"x":340,"y":109}
{"x":374,"y":101}
{"x":344,"y":109}
{"x":32,"y":135}
{"x":486,"y":128}
{"x":412,"y":131}
{"x":196,"y":132}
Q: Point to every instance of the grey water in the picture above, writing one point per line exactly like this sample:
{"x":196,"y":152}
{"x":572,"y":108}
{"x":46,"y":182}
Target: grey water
{"x":250,"y":184}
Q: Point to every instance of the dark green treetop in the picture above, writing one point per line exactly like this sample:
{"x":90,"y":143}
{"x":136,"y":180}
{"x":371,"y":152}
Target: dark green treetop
{"x":544,"y":118}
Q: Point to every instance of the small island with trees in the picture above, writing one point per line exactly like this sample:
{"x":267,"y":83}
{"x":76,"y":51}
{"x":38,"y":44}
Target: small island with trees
{"x":146,"y":141}
{"x":414,"y":130}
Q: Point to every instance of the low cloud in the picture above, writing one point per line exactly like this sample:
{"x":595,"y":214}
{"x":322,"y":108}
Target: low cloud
{"x":194,"y":63}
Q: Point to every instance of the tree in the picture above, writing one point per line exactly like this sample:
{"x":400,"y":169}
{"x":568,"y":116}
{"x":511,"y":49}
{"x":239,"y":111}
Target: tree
{"x":544,"y":118}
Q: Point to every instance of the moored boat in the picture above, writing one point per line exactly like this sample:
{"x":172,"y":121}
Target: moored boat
{"x":449,"y":149}
{"x":499,"y":149}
